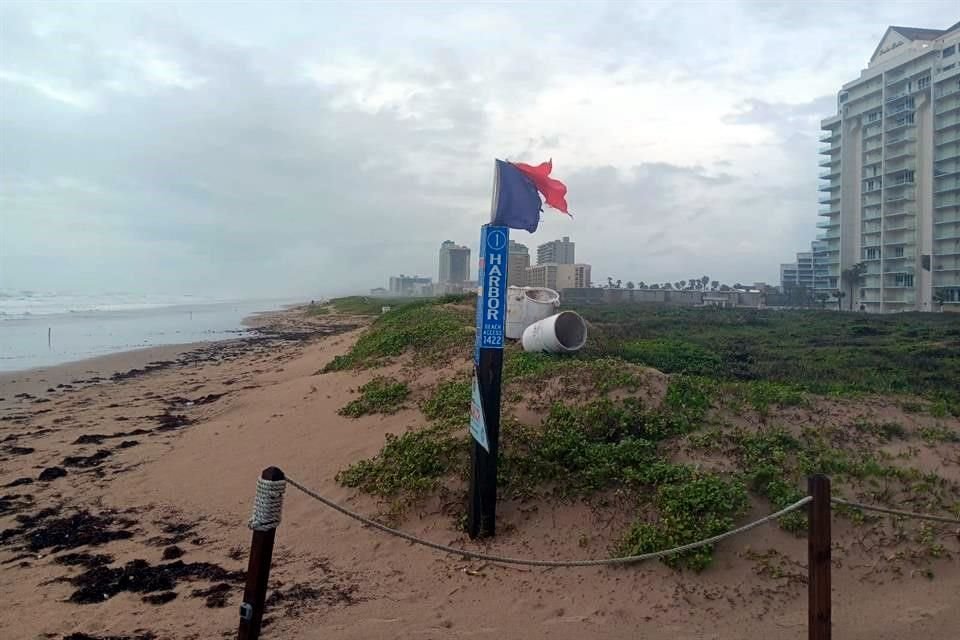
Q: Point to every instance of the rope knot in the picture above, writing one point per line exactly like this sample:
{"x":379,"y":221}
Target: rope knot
{"x":267,"y":505}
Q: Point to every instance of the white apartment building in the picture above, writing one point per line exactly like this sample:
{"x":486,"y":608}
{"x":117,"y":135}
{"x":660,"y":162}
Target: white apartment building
{"x":559,"y":276}
{"x":890,"y":196}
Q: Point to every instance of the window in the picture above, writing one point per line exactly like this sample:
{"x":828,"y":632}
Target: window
{"x":949,"y":51}
{"x":923,"y":82}
{"x":843,"y":97}
{"x":898,"y":252}
{"x":904,"y":280}
{"x":873,"y":253}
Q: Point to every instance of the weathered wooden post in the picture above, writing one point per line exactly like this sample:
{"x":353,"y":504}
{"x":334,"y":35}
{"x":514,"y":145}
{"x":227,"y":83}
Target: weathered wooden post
{"x":267,"y":507}
{"x":488,"y":366}
{"x":818,"y":558}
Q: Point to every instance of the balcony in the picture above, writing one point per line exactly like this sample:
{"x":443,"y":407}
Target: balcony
{"x":828,"y":187}
{"x":899,"y":184}
{"x":900,"y":299}
{"x":828,"y":162}
{"x":906,"y":195}
{"x":949,"y":235}
{"x":946,"y":220}
{"x":899,"y":125}
{"x":829,"y":174}
{"x":943,"y":204}
{"x":946,"y":172}
{"x":828,"y":211}
{"x":872,"y":131}
{"x":905,"y":108}
{"x":947,"y":188}
{"x":829,"y":149}
{"x":946,"y":91}
{"x":901,"y":227}
{"x":828,"y":236}
{"x":898,"y":95}
{"x":833,"y":198}
{"x":904,"y":258}
{"x":942,"y":140}
{"x":953,"y":106}
{"x":901,"y":166}
{"x":906,"y":238}
{"x":829,"y":137}
{"x":825,"y":224}
{"x":946,"y":123}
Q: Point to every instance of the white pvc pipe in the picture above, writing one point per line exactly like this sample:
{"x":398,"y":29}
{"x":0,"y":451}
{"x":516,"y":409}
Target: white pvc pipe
{"x":564,"y":332}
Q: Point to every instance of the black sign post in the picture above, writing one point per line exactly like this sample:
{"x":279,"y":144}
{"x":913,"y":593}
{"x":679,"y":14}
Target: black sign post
{"x":488,"y":366}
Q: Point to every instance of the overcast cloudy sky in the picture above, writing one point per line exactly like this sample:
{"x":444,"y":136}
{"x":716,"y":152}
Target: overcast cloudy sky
{"x":280,"y":148}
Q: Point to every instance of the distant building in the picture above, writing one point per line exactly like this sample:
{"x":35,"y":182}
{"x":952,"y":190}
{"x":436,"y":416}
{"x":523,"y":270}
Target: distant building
{"x":890,"y":196}
{"x":454,"y":263}
{"x":797,"y":274}
{"x":403,"y":285}
{"x":559,"y":276}
{"x":556,"y":252}
{"x":519,"y":261}
{"x":379,"y":292}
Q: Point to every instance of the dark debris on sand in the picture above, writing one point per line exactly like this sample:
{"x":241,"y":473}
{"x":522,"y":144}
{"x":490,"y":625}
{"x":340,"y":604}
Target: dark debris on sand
{"x":141,"y":635}
{"x":51,"y":473}
{"x":49,"y":529}
{"x":217,"y":596}
{"x":100,"y":583}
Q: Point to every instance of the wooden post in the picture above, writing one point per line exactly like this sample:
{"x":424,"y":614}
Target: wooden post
{"x":482,"y":511}
{"x":488,"y":363}
{"x":258,"y":573}
{"x":818,"y":558}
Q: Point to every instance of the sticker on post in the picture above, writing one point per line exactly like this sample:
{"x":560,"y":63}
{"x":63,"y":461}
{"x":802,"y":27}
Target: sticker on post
{"x":478,"y":426}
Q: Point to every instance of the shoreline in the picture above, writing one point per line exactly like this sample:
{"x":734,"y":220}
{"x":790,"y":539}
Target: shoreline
{"x":79,"y":337}
{"x":74,"y":374}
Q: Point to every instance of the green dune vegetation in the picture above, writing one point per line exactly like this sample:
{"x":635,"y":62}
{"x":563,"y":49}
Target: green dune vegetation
{"x":692,"y":419}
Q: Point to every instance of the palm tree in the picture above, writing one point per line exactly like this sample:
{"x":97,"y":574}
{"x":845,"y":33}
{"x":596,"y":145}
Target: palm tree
{"x":939,"y":297}
{"x":715,"y":284}
{"x":839,"y":295}
{"x":619,"y":282}
{"x":705,"y":280}
{"x":851,"y":278}
{"x":822,"y":297}
{"x":641,"y":285}
{"x":681,"y":284}
{"x":609,"y":282}
{"x":630,"y":284}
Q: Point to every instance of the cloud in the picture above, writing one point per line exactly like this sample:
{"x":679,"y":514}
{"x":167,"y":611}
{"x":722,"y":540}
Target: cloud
{"x":315,"y":148}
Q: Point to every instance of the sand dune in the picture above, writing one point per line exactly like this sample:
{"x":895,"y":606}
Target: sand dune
{"x":161,"y":465}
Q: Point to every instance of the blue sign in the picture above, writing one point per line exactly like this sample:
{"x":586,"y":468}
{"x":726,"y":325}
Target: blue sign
{"x":478,"y":425}
{"x":492,"y":277}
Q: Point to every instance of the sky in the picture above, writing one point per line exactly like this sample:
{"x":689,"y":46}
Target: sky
{"x":276,"y":149}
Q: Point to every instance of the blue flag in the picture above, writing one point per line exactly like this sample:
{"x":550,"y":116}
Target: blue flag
{"x":518,"y":203}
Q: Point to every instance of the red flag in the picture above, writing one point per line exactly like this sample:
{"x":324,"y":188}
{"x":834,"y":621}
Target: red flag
{"x":554,"y":191}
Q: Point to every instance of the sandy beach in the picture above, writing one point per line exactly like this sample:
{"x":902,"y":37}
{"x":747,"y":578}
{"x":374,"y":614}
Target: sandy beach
{"x":128,"y":481}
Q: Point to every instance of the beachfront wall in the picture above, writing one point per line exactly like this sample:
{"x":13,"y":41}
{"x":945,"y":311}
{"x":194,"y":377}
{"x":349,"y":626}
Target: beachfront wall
{"x":669,"y":297}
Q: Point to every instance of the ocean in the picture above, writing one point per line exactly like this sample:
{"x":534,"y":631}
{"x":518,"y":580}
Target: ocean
{"x":44,"y":329}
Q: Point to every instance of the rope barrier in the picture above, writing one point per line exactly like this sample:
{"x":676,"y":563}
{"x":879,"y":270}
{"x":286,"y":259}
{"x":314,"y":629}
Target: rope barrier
{"x":267,"y":505}
{"x":543,"y":563}
{"x":895,"y":512}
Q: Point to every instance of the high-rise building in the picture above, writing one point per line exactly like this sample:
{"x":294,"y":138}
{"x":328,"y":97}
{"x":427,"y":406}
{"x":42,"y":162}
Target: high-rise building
{"x":559,"y":276}
{"x":799,"y":273}
{"x":454,"y":263}
{"x":556,"y":252}
{"x":891,"y":192}
{"x":519,"y":259}
{"x":404,"y":285}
